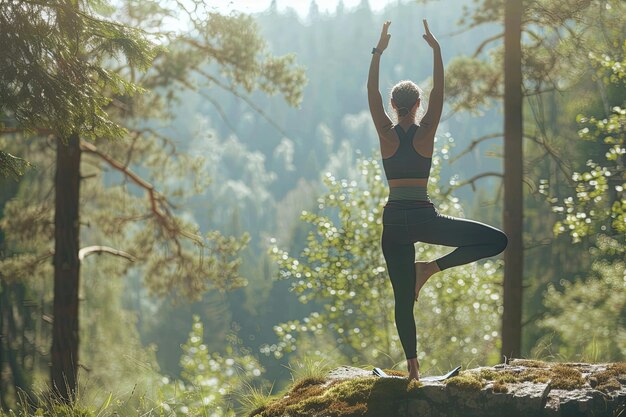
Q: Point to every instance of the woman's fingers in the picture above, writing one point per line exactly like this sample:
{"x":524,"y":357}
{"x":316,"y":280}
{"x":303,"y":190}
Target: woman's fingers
{"x":428,"y":37}
{"x":385,"y":29}
{"x":426,"y":27}
{"x":384,"y":36}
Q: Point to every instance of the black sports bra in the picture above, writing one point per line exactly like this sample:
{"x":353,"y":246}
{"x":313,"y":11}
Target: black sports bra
{"x":406,"y":162}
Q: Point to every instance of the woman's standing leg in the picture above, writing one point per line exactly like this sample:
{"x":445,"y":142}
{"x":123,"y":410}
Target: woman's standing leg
{"x":400,"y":259}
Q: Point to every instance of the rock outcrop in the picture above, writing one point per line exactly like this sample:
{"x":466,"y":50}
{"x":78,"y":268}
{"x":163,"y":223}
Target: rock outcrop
{"x":519,"y":388}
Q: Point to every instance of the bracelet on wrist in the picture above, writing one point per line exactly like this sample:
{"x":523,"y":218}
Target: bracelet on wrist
{"x":376,"y":51}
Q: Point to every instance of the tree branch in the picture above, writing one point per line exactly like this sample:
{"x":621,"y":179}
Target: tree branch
{"x":476,"y":142}
{"x":472,"y":181}
{"x":88,"y":250}
{"x":559,"y":162}
{"x":158,"y":203}
{"x":537,"y":243}
{"x":247,"y":100}
{"x":214,"y":102}
{"x":487,"y":42}
{"x":40,"y":131}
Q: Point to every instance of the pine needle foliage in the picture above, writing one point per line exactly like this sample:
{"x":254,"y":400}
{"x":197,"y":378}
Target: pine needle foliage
{"x":52,"y":75}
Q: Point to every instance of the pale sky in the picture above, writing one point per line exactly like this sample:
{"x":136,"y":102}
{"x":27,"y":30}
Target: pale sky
{"x":301,"y":6}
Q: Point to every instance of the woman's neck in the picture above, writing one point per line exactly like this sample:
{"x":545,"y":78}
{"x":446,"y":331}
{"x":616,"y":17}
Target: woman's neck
{"x":406,"y":122}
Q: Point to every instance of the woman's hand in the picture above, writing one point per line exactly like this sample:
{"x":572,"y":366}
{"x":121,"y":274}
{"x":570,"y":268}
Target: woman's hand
{"x":429,"y":37}
{"x":384,"y":37}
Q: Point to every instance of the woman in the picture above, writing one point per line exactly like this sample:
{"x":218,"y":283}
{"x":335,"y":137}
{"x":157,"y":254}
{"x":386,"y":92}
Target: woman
{"x":409,"y":216}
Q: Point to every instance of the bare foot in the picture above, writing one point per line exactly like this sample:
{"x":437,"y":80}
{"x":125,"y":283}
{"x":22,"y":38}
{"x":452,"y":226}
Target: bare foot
{"x":414,"y":369}
{"x":423,"y":271}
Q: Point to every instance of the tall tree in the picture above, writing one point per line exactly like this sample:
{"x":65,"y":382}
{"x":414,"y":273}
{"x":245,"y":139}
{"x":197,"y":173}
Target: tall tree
{"x":554,"y":57}
{"x":56,"y":82}
{"x":64,"y":352}
{"x":513,"y":176}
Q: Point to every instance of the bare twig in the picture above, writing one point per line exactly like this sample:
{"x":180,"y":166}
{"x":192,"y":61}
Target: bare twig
{"x":537,"y":243}
{"x":215,"y":104}
{"x":563,"y":166}
{"x":472,"y":181}
{"x":89,"y":250}
{"x":487,"y":42}
{"x":247,"y":100}
{"x":474,"y":143}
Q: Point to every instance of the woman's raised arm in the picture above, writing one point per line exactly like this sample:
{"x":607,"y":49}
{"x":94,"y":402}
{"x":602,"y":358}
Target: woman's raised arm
{"x":435,"y":102}
{"x":375,"y":100}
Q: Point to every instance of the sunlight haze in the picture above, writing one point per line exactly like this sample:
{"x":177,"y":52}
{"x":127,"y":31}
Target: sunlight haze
{"x":300,"y":6}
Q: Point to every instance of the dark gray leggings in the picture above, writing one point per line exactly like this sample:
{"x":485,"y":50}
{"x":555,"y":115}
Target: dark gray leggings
{"x":402,"y":228}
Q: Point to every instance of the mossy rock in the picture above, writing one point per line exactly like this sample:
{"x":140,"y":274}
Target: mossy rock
{"x":365,"y":395}
{"x":351,"y":397}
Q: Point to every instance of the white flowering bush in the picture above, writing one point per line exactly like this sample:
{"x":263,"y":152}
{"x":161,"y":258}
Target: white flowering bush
{"x":209,"y":379}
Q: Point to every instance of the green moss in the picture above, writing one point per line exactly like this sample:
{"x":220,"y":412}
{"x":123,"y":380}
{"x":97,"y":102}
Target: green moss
{"x":500,"y":387}
{"x":507,"y":376}
{"x":488,"y":374}
{"x":566,"y":377}
{"x":297,"y":394}
{"x":618,"y":367}
{"x":562,"y":376}
{"x":413,"y":385}
{"x":395,"y":372}
{"x":529,"y":363}
{"x":307,"y":382}
{"x":466,"y":381}
{"x":535,"y":375}
{"x":611,"y":384}
{"x":607,"y":380}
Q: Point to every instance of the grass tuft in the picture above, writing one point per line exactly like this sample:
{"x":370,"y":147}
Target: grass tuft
{"x":253,"y":400}
{"x":309,"y":368}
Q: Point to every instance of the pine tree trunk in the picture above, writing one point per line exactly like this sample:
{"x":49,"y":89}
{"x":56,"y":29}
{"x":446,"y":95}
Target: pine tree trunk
{"x":64,"y":354}
{"x":3,"y":341}
{"x":513,"y":198}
